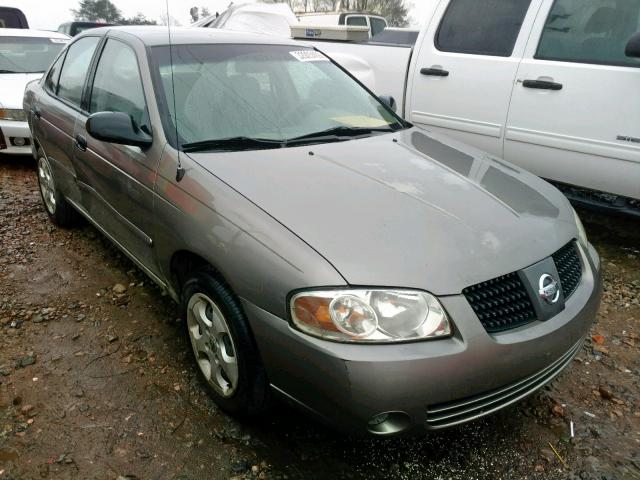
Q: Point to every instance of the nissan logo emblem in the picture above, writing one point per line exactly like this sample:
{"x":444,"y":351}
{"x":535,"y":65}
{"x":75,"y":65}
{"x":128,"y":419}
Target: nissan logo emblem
{"x":549,"y":289}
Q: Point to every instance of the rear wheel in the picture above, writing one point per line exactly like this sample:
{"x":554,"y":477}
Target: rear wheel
{"x":59,"y":210}
{"x":222,"y":344}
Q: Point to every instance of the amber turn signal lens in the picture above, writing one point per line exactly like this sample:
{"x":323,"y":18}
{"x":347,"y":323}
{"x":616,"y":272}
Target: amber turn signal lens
{"x":314,"y":312}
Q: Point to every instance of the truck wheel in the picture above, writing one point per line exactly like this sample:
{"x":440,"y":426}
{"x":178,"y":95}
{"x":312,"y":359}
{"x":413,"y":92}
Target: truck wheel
{"x":223,"y":344}
{"x":59,"y":210}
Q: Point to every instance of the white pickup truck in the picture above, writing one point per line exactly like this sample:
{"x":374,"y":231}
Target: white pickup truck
{"x":550,"y":85}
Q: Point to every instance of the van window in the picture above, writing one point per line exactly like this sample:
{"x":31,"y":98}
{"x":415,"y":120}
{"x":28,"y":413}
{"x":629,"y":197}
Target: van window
{"x":590,"y":31}
{"x":377,"y":25}
{"x":75,"y":69}
{"x":487,"y":27}
{"x":12,"y":18}
{"x":357,"y":21}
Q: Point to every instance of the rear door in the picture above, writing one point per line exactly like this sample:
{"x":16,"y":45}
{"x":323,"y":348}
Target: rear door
{"x":463,"y":72}
{"x":56,"y":110}
{"x":575,"y":112}
{"x":118,"y":180}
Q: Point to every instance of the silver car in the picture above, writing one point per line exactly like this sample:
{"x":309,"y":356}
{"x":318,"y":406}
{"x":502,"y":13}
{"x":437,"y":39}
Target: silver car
{"x":323,"y":250}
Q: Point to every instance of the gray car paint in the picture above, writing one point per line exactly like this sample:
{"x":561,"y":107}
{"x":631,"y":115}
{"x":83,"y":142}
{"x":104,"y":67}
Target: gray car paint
{"x":409,"y":209}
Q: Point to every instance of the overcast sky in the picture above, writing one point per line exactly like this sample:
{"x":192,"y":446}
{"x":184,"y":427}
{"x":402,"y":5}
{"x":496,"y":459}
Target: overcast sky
{"x":48,"y":15}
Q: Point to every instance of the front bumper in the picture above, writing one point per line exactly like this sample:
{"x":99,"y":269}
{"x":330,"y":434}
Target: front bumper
{"x":430,"y":384}
{"x":12,"y":130}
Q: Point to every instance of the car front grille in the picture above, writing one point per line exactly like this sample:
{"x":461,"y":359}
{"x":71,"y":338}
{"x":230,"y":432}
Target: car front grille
{"x":503,"y":302}
{"x":448,"y":414}
{"x":569,"y":268}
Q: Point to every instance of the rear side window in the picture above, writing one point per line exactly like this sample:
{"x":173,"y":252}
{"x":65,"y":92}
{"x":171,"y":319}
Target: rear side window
{"x":482,"y":27}
{"x":12,"y":19}
{"x":51,"y":82}
{"x":377,"y":25}
{"x":590,"y":31}
{"x":357,"y":21}
{"x":75,"y":69}
{"x":117,"y":86}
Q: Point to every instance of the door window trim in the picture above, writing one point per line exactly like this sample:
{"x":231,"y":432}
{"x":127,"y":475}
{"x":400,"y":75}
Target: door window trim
{"x":537,"y":56}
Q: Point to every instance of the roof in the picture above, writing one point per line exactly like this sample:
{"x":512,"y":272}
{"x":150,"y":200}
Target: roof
{"x":28,"y":32}
{"x":159,"y":35}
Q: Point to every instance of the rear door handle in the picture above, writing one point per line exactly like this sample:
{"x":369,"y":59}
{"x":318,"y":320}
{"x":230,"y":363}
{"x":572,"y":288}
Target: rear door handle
{"x":81,"y":143}
{"x":37,"y":113}
{"x":542,"y":85}
{"x":434,"y":72}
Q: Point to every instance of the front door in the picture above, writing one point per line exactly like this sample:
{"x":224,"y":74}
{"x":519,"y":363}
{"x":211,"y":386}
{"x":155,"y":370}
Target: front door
{"x":118,"y":180}
{"x":465,"y":67}
{"x":575,"y":112}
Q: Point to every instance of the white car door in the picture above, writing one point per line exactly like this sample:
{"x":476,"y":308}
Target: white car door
{"x":463,"y":73}
{"x":575,"y":110}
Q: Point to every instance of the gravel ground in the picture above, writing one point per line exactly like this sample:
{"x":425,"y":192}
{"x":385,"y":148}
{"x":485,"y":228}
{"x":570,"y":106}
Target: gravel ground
{"x":96,"y":380}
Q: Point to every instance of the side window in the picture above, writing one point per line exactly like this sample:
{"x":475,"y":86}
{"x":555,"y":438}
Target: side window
{"x":75,"y":69}
{"x":357,"y":21}
{"x":487,"y":27}
{"x":377,"y":25}
{"x":590,"y":31}
{"x":117,"y":86}
{"x":51,"y":82}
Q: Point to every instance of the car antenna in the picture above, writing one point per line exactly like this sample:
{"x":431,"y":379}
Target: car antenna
{"x":180,"y":171}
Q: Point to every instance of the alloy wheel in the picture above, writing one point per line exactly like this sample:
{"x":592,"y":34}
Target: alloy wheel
{"x":212,"y":344}
{"x":47,"y":185}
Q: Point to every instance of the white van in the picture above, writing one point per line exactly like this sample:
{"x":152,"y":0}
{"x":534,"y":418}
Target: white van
{"x":550,"y":85}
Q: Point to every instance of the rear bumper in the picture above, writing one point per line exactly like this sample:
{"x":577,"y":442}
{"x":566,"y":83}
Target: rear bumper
{"x":433,"y":384}
{"x":12,"y":130}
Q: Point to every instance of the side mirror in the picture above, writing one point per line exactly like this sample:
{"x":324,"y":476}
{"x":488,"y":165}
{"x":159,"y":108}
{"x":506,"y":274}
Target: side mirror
{"x":389,"y":101}
{"x":117,"y":127}
{"x":633,"y":46}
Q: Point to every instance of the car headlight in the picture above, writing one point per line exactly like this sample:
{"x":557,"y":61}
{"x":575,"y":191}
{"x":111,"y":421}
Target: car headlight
{"x":369,"y":315}
{"x":13,"y":114}
{"x":582,"y":234}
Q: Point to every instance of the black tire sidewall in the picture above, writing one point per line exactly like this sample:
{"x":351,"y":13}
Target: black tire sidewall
{"x":250,"y":395}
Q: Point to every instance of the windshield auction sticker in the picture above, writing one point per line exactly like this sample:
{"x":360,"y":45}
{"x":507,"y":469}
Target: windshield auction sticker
{"x":309,"y":56}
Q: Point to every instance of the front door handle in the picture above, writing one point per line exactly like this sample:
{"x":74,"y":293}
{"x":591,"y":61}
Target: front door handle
{"x":542,"y":85}
{"x":81,"y":143}
{"x":434,"y":72}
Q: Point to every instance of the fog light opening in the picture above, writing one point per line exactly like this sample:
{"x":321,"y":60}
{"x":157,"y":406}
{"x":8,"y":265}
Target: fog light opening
{"x":19,"y":141}
{"x":388,"y":423}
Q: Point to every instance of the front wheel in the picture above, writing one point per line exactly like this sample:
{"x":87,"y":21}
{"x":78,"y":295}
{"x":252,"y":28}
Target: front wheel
{"x":57,"y":207}
{"x":223,"y":345}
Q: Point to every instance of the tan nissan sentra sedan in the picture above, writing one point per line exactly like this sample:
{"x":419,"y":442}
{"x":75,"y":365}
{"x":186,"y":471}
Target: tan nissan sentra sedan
{"x":322,"y":249}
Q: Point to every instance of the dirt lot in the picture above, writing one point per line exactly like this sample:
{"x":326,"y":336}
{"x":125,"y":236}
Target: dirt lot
{"x":96,"y":384}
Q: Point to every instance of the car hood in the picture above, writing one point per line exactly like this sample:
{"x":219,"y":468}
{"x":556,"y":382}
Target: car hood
{"x":12,"y":87}
{"x":409,"y":209}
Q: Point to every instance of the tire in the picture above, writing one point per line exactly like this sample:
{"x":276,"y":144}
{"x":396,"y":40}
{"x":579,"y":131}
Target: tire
{"x":58,"y":209}
{"x":223,"y":345}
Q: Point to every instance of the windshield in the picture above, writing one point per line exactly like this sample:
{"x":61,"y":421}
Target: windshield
{"x":266,"y":92}
{"x":28,"y":54}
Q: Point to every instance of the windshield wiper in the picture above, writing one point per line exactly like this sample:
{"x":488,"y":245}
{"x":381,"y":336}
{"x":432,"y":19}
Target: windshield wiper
{"x":337,"y":134}
{"x":233,"y":144}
